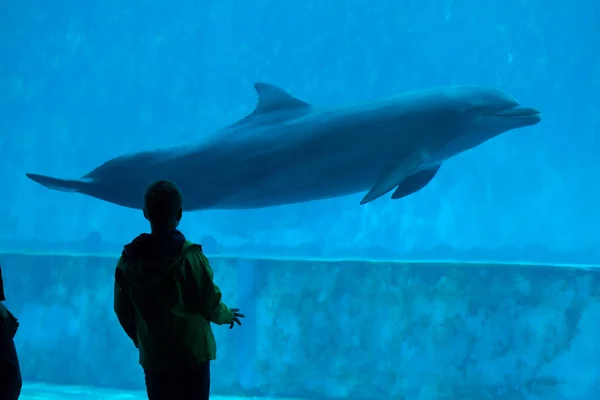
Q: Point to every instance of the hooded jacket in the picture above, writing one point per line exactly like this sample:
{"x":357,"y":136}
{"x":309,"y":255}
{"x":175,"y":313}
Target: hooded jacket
{"x":8,"y":323}
{"x":165,"y":300}
{"x":10,"y":371}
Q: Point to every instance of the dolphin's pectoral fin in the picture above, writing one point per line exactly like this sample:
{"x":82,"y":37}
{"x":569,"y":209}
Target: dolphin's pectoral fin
{"x":395,"y":173}
{"x":415,"y":182}
{"x":272,"y":98}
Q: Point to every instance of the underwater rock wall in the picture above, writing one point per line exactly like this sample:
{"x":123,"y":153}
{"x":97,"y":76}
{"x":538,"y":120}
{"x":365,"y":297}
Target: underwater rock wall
{"x":350,"y":329}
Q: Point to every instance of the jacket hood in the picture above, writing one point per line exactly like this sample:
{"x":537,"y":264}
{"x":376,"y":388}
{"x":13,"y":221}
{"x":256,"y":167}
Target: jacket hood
{"x":151,"y":256}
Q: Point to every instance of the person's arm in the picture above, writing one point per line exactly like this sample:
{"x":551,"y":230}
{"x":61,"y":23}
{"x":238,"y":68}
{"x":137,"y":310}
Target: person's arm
{"x":202,"y":293}
{"x":124,"y":306}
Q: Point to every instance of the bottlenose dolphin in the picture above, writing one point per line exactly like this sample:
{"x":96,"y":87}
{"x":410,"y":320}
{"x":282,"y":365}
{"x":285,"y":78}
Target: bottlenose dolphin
{"x":289,"y":151}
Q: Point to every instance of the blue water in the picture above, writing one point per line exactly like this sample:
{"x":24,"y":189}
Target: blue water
{"x":82,"y":82}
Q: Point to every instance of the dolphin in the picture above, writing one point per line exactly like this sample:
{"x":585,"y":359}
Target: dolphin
{"x":288,"y":151}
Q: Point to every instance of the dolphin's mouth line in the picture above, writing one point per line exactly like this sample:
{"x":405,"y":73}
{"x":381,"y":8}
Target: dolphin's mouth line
{"x":517,"y":111}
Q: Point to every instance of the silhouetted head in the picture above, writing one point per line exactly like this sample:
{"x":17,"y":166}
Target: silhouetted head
{"x":163,"y":206}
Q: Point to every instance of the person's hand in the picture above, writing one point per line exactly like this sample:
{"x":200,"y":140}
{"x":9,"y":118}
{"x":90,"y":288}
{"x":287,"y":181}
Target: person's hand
{"x":236,"y":317}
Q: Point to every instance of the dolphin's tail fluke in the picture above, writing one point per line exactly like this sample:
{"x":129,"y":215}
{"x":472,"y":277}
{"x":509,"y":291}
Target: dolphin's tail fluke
{"x":62,"y":185}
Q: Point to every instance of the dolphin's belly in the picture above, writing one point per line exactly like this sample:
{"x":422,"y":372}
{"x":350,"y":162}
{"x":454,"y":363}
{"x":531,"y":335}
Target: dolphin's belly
{"x":299,"y":185}
{"x":254,"y":199}
{"x":291,"y":192}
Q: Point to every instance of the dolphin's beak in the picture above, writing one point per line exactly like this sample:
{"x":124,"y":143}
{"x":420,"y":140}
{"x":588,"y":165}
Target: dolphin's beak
{"x":516,"y":111}
{"x":521,"y":116}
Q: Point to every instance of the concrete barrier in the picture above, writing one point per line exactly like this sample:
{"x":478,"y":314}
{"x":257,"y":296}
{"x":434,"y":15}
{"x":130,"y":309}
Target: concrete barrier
{"x":334,"y":329}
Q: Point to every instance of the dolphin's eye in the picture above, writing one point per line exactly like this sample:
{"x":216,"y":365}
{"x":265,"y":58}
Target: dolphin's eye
{"x":468,"y":110}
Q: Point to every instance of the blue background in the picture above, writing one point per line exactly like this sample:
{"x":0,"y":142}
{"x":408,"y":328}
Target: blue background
{"x":81,"y":82}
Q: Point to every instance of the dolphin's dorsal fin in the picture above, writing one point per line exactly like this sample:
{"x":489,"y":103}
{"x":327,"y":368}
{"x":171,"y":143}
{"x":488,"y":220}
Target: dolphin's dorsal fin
{"x":272,"y":98}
